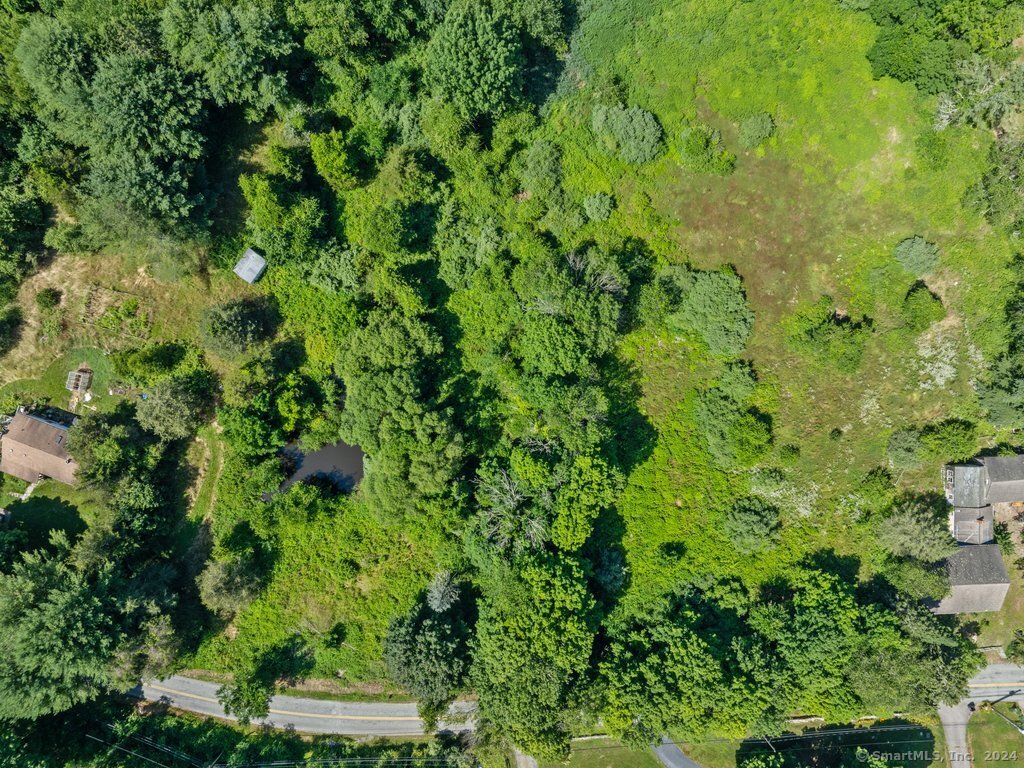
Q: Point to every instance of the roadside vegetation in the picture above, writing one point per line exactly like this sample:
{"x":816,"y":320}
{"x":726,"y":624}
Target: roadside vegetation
{"x":655,"y":321}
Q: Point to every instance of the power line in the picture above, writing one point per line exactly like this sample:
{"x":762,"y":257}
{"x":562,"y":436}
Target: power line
{"x":124,"y":749}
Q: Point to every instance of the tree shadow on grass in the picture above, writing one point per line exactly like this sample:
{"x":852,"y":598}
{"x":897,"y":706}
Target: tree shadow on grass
{"x":835,"y":746}
{"x":39,"y":515}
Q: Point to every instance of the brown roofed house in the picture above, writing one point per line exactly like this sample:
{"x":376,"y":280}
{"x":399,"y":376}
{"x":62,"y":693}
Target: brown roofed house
{"x":34,"y":448}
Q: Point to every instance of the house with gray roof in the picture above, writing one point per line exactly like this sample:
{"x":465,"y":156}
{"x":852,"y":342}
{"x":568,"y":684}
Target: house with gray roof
{"x":251,"y":266}
{"x":977,"y":574}
{"x":977,"y":578}
{"x":983,"y":481}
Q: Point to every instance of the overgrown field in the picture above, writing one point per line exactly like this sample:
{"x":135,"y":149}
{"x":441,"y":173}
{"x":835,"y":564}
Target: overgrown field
{"x":655,"y":321}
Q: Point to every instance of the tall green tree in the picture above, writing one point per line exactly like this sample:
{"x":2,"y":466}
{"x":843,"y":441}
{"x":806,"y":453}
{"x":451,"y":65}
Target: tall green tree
{"x":475,"y":60}
{"x":534,"y":640}
{"x":59,"y":631}
{"x":235,"y":48}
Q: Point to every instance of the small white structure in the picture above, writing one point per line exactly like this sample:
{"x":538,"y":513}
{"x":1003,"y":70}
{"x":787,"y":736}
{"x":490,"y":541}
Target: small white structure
{"x":251,"y":266}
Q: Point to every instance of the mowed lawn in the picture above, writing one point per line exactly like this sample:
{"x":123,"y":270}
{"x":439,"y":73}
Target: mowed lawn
{"x":606,"y":753}
{"x":54,"y":506}
{"x":50,"y":386}
{"x":919,"y":747}
{"x":992,"y":740}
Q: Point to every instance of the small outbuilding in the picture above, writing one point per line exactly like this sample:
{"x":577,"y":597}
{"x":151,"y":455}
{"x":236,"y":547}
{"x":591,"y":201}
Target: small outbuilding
{"x":978,"y":580}
{"x":34,"y":448}
{"x":80,"y":380}
{"x":251,"y":266}
{"x":973,"y":526}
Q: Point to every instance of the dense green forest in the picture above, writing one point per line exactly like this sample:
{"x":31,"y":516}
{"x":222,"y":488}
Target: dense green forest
{"x":654,"y":320}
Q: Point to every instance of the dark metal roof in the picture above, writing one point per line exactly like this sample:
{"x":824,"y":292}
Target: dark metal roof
{"x":973,"y":526}
{"x":969,"y":485}
{"x":977,"y":564}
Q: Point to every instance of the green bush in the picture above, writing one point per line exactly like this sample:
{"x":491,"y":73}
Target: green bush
{"x":950,"y":440}
{"x":713,"y":306}
{"x":905,"y":449}
{"x":834,"y":338}
{"x":332,"y":159}
{"x":632,"y":133}
{"x":48,"y":299}
{"x":701,"y":150}
{"x":144,"y":366}
{"x":921,"y":308}
{"x":919,"y":531}
{"x":755,"y":130}
{"x":231,"y":329}
{"x":542,"y":169}
{"x":736,"y":435}
{"x":917,"y":255}
{"x":598,"y":207}
{"x":752,"y":524}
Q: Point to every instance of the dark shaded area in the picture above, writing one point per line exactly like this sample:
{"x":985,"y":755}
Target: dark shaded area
{"x":10,"y":329}
{"x":39,"y":515}
{"x":836,"y":746}
{"x":340,"y":464}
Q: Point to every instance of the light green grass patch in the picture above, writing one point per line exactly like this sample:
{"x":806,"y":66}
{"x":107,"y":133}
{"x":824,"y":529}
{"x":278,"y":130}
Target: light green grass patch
{"x":49,"y":387}
{"x":992,"y":740}
{"x":606,"y":753}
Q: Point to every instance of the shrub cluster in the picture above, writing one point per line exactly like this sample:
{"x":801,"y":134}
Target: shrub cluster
{"x":833,"y":338}
{"x":917,"y":255}
{"x":632,"y":133}
{"x":701,"y":150}
{"x":756,"y":129}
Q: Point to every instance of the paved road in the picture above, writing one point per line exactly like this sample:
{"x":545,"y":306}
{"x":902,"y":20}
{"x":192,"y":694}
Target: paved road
{"x":350,"y":718}
{"x":672,"y":756}
{"x":996,"y":681}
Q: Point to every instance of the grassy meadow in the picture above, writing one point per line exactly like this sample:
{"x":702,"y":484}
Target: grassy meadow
{"x":817,"y":210}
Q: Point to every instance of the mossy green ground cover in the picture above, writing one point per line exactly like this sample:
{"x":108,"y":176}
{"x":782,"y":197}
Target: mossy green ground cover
{"x":338,"y":575}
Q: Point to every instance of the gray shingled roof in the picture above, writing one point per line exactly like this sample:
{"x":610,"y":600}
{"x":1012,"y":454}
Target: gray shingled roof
{"x":250,"y":266}
{"x":969,"y":485}
{"x":1005,"y":478}
{"x":977,"y":564}
{"x":973,"y":526}
{"x":978,"y":580}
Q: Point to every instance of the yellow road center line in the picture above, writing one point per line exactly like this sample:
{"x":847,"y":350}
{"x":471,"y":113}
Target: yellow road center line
{"x":291,"y":714}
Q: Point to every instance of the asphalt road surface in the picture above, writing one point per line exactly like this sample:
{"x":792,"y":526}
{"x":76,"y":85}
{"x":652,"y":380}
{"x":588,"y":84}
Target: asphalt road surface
{"x":996,"y":681}
{"x":349,"y":718}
